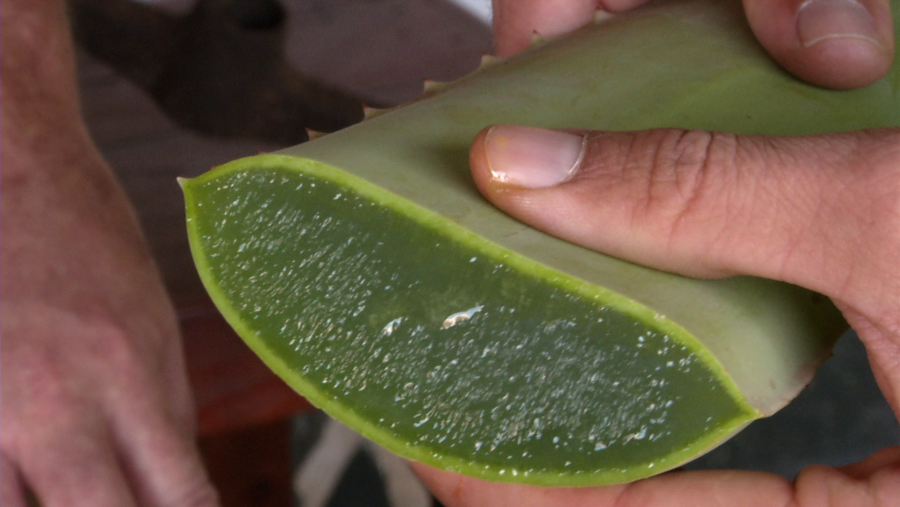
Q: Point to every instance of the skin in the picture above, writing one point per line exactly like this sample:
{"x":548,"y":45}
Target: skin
{"x":821,"y":212}
{"x":96,"y":408}
{"x":835,"y":63}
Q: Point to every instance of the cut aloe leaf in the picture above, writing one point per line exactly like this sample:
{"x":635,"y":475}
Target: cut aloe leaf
{"x":366,"y":270}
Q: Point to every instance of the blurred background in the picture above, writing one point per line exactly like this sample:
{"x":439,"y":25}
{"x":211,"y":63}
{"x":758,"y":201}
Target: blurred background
{"x":171,"y":88}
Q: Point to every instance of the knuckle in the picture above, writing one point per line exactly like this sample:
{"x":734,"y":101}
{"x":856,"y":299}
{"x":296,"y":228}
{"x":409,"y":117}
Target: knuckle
{"x":33,"y":379}
{"x":56,"y":362}
{"x":688,"y":181}
{"x":115,"y":347}
{"x":681,"y":168}
{"x":109,"y":345}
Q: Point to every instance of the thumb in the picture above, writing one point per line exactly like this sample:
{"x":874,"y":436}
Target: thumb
{"x":834,"y":43}
{"x":822,"y":212}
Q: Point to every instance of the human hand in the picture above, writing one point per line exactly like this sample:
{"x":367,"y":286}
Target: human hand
{"x":832,"y":43}
{"x":822,"y":212}
{"x":96,"y":408}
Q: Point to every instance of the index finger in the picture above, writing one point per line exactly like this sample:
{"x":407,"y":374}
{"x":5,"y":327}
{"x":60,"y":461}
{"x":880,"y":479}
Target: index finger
{"x":815,"y":486}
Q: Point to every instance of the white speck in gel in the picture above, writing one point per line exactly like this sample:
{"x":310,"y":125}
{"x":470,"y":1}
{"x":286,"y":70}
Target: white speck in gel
{"x":458,"y":317}
{"x":391,"y":326}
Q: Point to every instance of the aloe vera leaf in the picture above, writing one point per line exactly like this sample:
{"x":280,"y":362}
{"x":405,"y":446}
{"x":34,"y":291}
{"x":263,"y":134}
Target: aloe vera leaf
{"x":366,"y":270}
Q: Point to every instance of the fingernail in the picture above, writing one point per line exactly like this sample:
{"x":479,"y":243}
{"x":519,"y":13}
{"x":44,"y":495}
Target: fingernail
{"x":532,"y":157}
{"x":819,"y":20}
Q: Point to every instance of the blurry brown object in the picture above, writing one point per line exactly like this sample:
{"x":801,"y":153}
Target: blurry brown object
{"x":219,"y":70}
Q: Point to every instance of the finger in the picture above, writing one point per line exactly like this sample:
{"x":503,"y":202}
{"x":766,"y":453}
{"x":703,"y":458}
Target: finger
{"x":814,"y":487}
{"x":71,"y":461}
{"x":156,"y":439}
{"x":881,"y":460}
{"x":833,"y":43}
{"x":516,"y":21}
{"x":165,"y":466}
{"x":821,"y":212}
{"x":679,"y":489}
{"x":158,"y":447}
{"x":175,"y":378}
{"x":11,"y":488}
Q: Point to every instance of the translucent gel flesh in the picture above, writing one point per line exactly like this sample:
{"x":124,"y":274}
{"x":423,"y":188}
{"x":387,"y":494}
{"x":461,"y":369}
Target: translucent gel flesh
{"x":472,"y":364}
